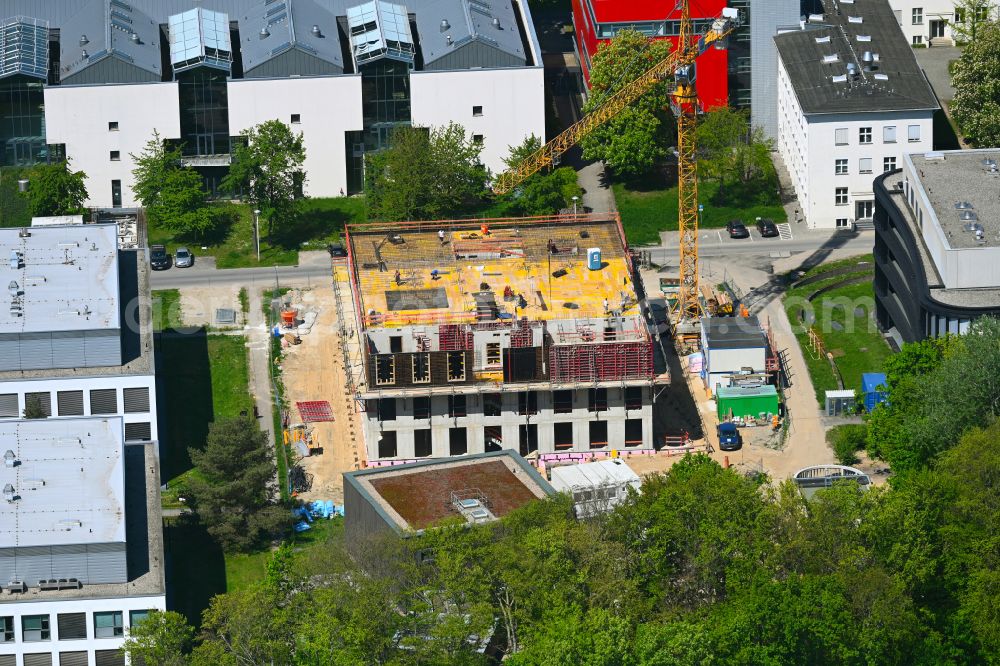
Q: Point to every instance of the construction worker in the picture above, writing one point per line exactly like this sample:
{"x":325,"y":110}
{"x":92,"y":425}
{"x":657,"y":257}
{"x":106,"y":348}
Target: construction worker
{"x":398,"y":278}
{"x":441,"y":236}
{"x":484,"y":229}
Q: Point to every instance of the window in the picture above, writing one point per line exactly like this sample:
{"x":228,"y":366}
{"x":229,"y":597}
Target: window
{"x":840,"y":136}
{"x":842,"y":222}
{"x":889,"y":134}
{"x":562,"y":402}
{"x":137,"y":617}
{"x":109,"y":658}
{"x":527,"y":402}
{"x":477,"y":111}
{"x":840,"y":167}
{"x":43,"y":400}
{"x":386,"y":409}
{"x":456,"y":366}
{"x":865,"y":165}
{"x":598,"y":434}
{"x":458,"y":441}
{"x":493,"y":354}
{"x":981,"y":13}
{"x":456,"y":406}
{"x":108,"y":624}
{"x":493,"y":438}
{"x":70,"y":403}
{"x":104,"y":401}
{"x":918,"y":15}
{"x":116,"y":155}
{"x":864,"y":135}
{"x":34,"y":628}
{"x":136,"y":400}
{"x":888,"y":164}
{"x":385,"y":369}
{"x":913,"y":133}
{"x":73,"y":658}
{"x":38,"y":659}
{"x":840,"y":196}
{"x":597,"y":400}
{"x":421,"y":443}
{"x":918,"y":39}
{"x":112,"y":125}
{"x":633,"y":432}
{"x":387,"y":444}
{"x":633,"y":397}
{"x":527,"y":438}
{"x":959,"y":15}
{"x":395,"y":344}
{"x":72,"y":626}
{"x":562,"y":434}
{"x":422,"y":368}
{"x":9,"y":405}
{"x":138,"y":432}
{"x":477,"y":138}
{"x":296,"y":118}
{"x":116,"y":194}
{"x":421,"y":408}
{"x":492,"y":404}
{"x":6,"y":629}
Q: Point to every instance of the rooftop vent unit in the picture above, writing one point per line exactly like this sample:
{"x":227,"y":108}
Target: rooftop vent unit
{"x":973,"y":228}
{"x":963,"y":205}
{"x":839,"y":78}
{"x":9,"y":458}
{"x":9,"y":494}
{"x":33,"y":484}
{"x":13,"y":288}
{"x":833,"y":57}
{"x":445,"y":25}
{"x":990,"y":165}
{"x":469,"y":503}
{"x":855,"y":19}
{"x":134,"y":37}
{"x":24,"y":232}
{"x":823,"y":40}
{"x":264,"y":33}
{"x":815,"y":18}
{"x":864,"y":38}
{"x":16,"y":258}
{"x":317,"y":32}
{"x":479,"y":515}
{"x":84,"y":54}
{"x":447,"y":40}
{"x":882,"y":77}
{"x":852,"y":70}
{"x":496,"y":22}
{"x":968,"y":216}
{"x":17,"y":587}
{"x":83,"y":41}
{"x":69,"y":523}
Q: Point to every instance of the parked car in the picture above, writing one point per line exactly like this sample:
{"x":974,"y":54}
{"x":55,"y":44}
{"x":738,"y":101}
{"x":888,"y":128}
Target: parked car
{"x":767,"y":227}
{"x":737,"y":229}
{"x":159,"y":258}
{"x":729,"y":437}
{"x":183,"y":258}
{"x":336,"y":250}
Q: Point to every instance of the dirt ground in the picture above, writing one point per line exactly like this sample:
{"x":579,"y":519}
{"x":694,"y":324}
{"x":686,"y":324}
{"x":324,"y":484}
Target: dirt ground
{"x":314,"y":370}
{"x":198,"y":304}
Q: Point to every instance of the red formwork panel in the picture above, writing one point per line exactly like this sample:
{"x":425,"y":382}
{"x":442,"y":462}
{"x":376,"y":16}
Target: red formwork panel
{"x":601,"y":362}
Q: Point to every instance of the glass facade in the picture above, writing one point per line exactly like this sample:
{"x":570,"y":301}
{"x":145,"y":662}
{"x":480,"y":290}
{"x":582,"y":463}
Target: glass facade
{"x":204,"y":106}
{"x":385,"y":105}
{"x":22,"y":121}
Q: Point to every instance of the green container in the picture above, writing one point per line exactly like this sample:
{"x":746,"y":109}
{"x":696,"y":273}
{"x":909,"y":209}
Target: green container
{"x":746,"y":401}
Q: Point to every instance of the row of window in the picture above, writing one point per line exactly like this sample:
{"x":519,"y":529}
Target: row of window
{"x":101,"y":658}
{"x":840,"y":166}
{"x":841,"y":135}
{"x":458,"y":438}
{"x":527,"y":403}
{"x":70,"y":403}
{"x":979,"y":14}
{"x":71,"y":626}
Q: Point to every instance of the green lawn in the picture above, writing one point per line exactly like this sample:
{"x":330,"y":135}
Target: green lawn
{"x":320,"y":222}
{"x":167,"y":309}
{"x":647,"y":212}
{"x":858,"y":346}
{"x":244,"y":569}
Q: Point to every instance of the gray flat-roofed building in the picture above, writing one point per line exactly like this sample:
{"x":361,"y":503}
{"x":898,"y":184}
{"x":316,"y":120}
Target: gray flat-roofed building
{"x":292,"y":36}
{"x":62,"y":296}
{"x":107,"y":41}
{"x":63,"y":508}
{"x":458,"y":34}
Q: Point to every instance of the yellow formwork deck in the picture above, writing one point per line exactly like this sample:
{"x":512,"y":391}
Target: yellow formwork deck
{"x":525,"y":265}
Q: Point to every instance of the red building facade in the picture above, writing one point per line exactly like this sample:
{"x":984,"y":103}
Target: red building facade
{"x":597,"y":21}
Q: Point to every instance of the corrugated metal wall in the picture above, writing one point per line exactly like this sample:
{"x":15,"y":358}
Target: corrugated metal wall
{"x":111,"y":70}
{"x":293,"y":61}
{"x":475,"y":54}
{"x":64,"y":349}
{"x":91,"y":564}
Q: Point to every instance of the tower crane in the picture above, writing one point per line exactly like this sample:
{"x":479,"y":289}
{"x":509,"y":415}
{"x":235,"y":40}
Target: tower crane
{"x":680,"y":65}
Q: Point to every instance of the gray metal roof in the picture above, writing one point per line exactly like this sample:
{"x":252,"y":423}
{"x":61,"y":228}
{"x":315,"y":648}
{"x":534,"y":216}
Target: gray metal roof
{"x":59,"y":278}
{"x":199,"y":37}
{"x":64,"y":482}
{"x":103,"y":29}
{"x":24,"y":47}
{"x":446,"y":26}
{"x":831,"y":72}
{"x":733,"y":332}
{"x":271,"y":28}
{"x":380,"y":29}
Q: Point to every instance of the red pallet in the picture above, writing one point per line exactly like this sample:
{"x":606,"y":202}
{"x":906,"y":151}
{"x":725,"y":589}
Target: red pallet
{"x":313,"y":411}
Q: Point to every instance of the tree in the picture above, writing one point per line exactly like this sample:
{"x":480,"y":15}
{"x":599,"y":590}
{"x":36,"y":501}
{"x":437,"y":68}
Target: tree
{"x":267,"y":168}
{"x":976,"y":77}
{"x":251,"y":626}
{"x":425,"y":175}
{"x":970,"y":16}
{"x":33,"y":408}
{"x":173,"y":194}
{"x":638,"y":137}
{"x":731,"y":150}
{"x":55,"y":190}
{"x":846,"y":440}
{"x":162,"y":639}
{"x":233,"y":491}
{"x":543,"y":193}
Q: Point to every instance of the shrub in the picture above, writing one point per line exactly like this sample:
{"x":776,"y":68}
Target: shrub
{"x":846,"y":440}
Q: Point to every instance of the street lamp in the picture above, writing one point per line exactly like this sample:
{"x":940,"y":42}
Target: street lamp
{"x":256,"y":231}
{"x":22,"y":185}
{"x":575,"y":199}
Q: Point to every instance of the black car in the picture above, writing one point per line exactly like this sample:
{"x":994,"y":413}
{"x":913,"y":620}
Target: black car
{"x":767,"y":227}
{"x":159,"y":259}
{"x":336,"y":250}
{"x":737,"y":229}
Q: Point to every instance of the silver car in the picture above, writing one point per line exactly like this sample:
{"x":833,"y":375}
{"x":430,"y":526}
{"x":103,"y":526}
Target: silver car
{"x":183,"y":258}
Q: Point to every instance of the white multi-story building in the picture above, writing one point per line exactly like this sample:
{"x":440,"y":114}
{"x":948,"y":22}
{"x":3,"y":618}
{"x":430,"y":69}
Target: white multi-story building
{"x":81,"y":556}
{"x":933,"y":22}
{"x":344,"y":73}
{"x":851,"y":101}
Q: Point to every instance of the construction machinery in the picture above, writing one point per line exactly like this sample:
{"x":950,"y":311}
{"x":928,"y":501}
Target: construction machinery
{"x":680,"y":65}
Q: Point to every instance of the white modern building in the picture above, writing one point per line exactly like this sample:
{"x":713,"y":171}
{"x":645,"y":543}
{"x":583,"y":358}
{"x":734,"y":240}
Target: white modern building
{"x":933,"y":22}
{"x":851,"y":101}
{"x":81,"y":557}
{"x":596,"y":487}
{"x":76,"y":332}
{"x":344,"y":73}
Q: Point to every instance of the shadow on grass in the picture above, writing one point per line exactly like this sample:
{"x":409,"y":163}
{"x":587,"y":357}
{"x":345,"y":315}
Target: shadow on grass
{"x":184,"y":394}
{"x":196,"y":567}
{"x":317,"y":220}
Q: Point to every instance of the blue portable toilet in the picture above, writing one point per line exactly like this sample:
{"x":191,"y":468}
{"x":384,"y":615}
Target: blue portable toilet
{"x":594,"y":258}
{"x":873,"y":386}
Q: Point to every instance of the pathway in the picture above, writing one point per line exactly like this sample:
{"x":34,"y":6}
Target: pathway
{"x":260,"y":349}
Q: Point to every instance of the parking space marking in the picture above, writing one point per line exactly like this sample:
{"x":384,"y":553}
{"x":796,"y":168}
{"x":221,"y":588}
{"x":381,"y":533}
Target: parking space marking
{"x":785,"y":231}
{"x":719,"y":234}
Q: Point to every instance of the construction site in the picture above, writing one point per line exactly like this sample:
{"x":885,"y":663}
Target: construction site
{"x":518,"y":333}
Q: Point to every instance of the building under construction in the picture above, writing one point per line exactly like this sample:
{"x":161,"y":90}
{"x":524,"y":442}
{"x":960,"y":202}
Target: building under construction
{"x":478,"y":336}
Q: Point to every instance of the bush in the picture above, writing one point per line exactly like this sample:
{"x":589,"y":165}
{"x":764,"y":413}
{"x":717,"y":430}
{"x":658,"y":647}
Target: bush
{"x":846,"y":440}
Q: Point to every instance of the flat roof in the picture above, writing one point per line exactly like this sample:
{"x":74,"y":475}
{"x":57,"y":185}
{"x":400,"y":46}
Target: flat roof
{"x":544,"y":260}
{"x":962,"y":177}
{"x":746,"y":391}
{"x":733,"y":332}
{"x":592,"y":475}
{"x":59,"y":278}
{"x":827,"y":66}
{"x":68,"y":482}
{"x":419,"y":495}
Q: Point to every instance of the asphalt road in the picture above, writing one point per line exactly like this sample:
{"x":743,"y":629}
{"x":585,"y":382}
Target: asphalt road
{"x":203,"y":276}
